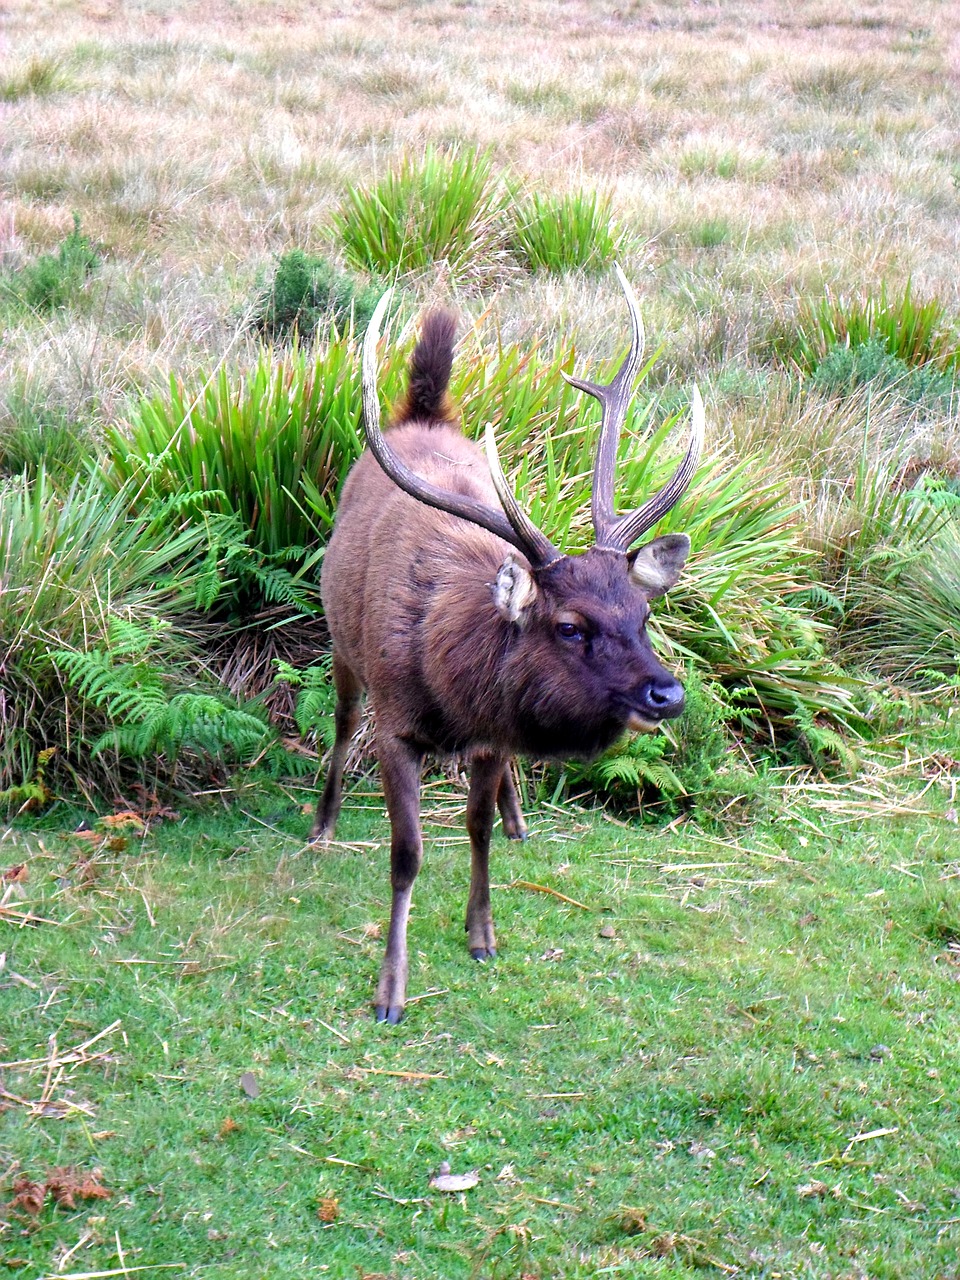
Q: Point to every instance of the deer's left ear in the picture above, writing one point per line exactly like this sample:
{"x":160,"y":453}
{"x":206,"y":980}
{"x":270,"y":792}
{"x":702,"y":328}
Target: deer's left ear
{"x":514,"y":590}
{"x":656,"y":567}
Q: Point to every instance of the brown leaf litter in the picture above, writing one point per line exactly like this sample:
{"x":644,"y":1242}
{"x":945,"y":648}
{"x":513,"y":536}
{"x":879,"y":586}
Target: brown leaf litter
{"x":64,"y":1186}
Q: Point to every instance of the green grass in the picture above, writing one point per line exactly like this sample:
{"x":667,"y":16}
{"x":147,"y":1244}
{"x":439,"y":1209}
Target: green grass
{"x":558,"y":233}
{"x":708,"y":233}
{"x":34,"y":435}
{"x":439,"y":208}
{"x":673,"y":1082}
{"x":38,"y":78}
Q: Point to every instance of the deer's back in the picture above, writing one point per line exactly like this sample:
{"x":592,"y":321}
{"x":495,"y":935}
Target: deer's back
{"x":400,"y":578}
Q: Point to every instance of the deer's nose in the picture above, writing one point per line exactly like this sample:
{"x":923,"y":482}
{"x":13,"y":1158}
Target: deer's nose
{"x":662,"y":699}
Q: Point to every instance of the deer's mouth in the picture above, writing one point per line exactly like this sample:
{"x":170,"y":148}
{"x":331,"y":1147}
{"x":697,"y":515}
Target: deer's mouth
{"x":638,"y":723}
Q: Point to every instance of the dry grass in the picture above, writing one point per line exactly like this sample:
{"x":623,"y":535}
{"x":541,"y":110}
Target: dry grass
{"x":749,"y":151}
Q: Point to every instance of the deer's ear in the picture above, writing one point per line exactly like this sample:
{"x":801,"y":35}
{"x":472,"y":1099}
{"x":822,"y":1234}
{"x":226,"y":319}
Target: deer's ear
{"x":656,"y":567}
{"x":514,"y":590}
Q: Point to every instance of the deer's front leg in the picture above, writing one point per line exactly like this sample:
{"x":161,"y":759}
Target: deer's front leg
{"x":400,"y":769}
{"x":486,"y":780}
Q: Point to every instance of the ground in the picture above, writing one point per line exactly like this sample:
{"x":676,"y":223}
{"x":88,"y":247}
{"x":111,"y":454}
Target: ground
{"x":717,"y":1052}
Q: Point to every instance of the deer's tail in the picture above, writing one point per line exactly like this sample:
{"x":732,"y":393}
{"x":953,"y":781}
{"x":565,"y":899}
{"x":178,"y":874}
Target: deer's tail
{"x":428,"y":399}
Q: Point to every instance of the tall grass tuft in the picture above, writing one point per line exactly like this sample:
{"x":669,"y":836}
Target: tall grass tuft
{"x":34,"y":434}
{"x":876,"y":495}
{"x":890,"y":555}
{"x":902,"y":609}
{"x":35,"y":79}
{"x":440,"y":208}
{"x":72,"y":564}
{"x":558,"y":233}
{"x":257,"y":460}
{"x":911,"y":331}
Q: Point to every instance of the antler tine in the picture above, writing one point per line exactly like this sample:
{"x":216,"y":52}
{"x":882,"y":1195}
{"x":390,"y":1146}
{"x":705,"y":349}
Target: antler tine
{"x":628,"y":528}
{"x":614,"y":397}
{"x":523,"y":526}
{"x":518,"y":530}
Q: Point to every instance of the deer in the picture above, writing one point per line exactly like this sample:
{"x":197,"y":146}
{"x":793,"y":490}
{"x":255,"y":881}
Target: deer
{"x":470,"y":632}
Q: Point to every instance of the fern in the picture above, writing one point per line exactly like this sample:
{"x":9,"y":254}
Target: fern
{"x":316,"y":699}
{"x":147,"y":713}
{"x":819,"y":599}
{"x":689,"y":764}
{"x":32,"y":793}
{"x":824,"y":744}
{"x":236,"y":568}
{"x":632,"y":766}
{"x":187,"y":721}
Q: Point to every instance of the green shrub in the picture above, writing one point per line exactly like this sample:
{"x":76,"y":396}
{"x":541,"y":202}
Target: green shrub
{"x":572,"y":232}
{"x":843,"y":369}
{"x":440,"y":208}
{"x":53,"y":281}
{"x":308,"y":293}
{"x":73,"y":563}
{"x":913,"y":332}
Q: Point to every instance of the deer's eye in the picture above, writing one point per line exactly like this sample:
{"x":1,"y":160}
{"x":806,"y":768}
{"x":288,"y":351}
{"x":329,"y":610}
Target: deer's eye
{"x":569,"y":631}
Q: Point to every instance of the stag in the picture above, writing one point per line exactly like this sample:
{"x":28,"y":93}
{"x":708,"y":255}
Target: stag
{"x":470,"y":632}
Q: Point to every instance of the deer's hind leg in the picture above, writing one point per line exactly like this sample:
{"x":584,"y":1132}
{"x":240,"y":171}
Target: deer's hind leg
{"x":346,"y":719}
{"x":508,"y":802}
{"x":487,"y":776}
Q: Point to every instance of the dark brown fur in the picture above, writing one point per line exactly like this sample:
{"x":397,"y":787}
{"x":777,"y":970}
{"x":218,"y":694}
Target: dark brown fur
{"x":409,"y":594}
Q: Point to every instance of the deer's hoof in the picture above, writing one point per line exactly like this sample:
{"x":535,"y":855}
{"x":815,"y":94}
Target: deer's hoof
{"x":483,"y":953}
{"x":515,"y":830}
{"x":391,"y":1014}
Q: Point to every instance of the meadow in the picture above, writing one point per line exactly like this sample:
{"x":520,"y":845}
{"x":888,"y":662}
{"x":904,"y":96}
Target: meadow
{"x":718,"y":1040}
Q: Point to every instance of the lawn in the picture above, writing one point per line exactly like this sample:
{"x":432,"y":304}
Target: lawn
{"x":699,"y":1052}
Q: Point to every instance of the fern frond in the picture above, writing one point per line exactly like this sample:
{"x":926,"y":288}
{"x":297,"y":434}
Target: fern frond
{"x":149,"y":715}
